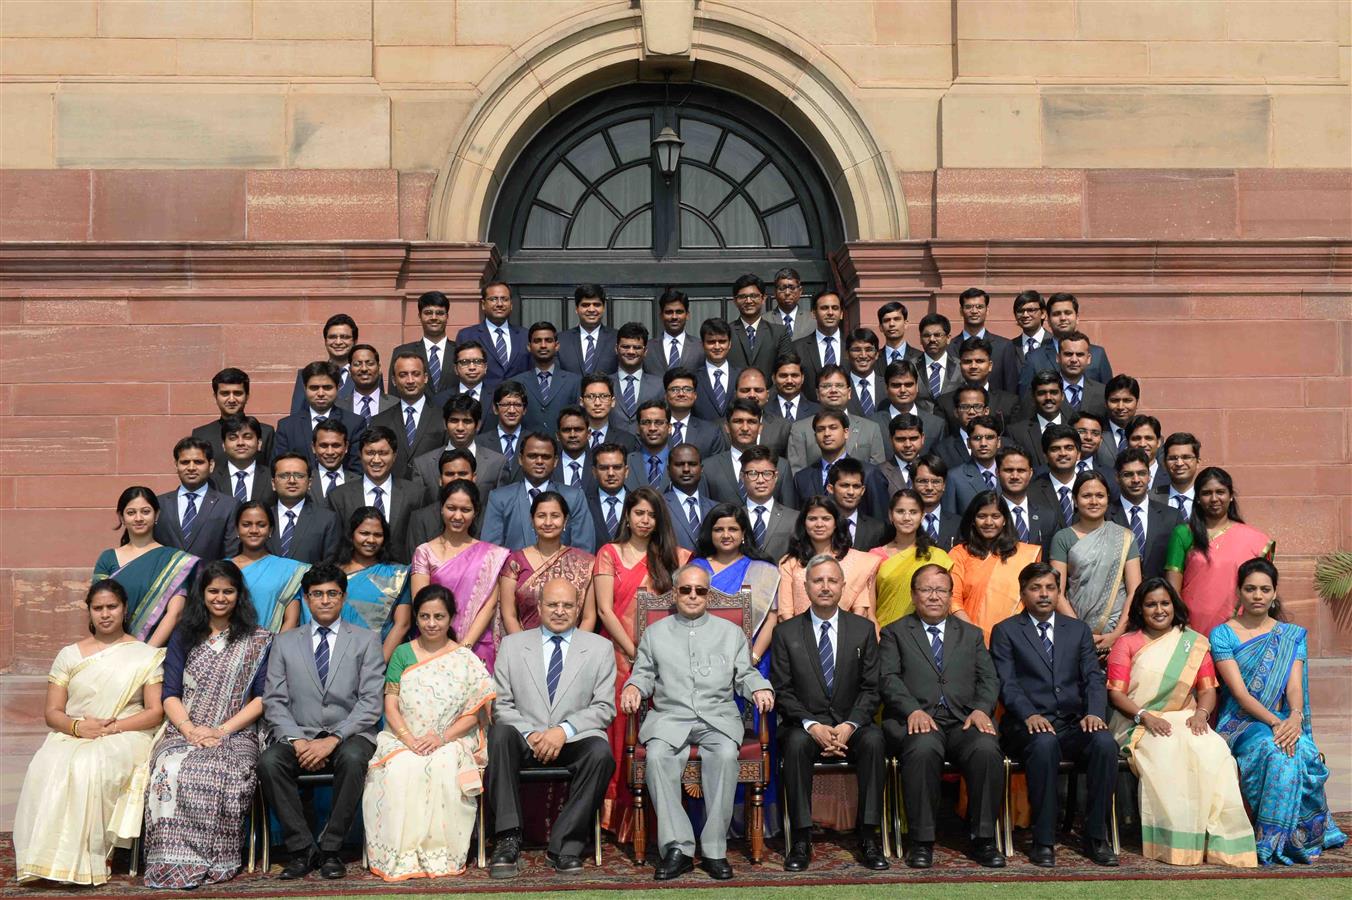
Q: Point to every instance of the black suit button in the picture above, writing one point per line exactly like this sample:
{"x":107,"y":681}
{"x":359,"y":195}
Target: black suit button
{"x":1058,"y":690}
{"x":943,"y":681}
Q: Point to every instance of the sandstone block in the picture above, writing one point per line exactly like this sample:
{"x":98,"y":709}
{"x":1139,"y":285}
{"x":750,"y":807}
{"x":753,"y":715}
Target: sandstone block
{"x":92,"y":399}
{"x":1312,"y":130}
{"x":36,"y":445}
{"x":995,"y":128}
{"x":449,"y":65}
{"x":74,"y":311}
{"x":338,"y":130}
{"x":999,"y":203}
{"x":175,"y":18}
{"x":312,"y":20}
{"x":417,"y":22}
{"x":1017,"y":19}
{"x":870,"y":64}
{"x":905,"y":123}
{"x":40,"y":18}
{"x":918,"y":189}
{"x":189,"y":205}
{"x":1060,"y":59}
{"x":146,"y":353}
{"x":335,"y":204}
{"x":282,"y":57}
{"x":913,"y":22}
{"x":1161,"y":204}
{"x":423,"y":124}
{"x":26,"y":126}
{"x":44,"y":205}
{"x":1290,"y":20}
{"x":87,"y":56}
{"x":415,"y":195}
{"x":1285,"y":203}
{"x":1244,"y":60}
{"x":509,"y":24}
{"x":1160,"y":20}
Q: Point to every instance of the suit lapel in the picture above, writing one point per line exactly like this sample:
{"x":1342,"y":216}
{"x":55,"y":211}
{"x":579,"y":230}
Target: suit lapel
{"x":917,"y":632}
{"x":536,"y":667}
{"x":1061,"y":645}
{"x":340,"y":652}
{"x":572,"y":662}
{"x":811,"y":640}
{"x":1035,"y":642}
{"x":307,"y":647}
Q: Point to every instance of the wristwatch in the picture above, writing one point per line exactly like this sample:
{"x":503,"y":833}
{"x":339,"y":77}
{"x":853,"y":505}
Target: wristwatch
{"x":1137,"y":718}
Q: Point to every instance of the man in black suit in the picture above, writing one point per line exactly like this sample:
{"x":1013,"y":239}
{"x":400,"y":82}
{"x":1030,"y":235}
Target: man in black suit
{"x":744,"y":426}
{"x":549,"y":388}
{"x":1055,"y":487}
{"x":868,"y":387}
{"x":197,"y":517}
{"x":824,"y":669}
{"x":974,"y":305}
{"x":687,"y":504}
{"x":772,"y":522}
{"x":931,"y":478}
{"x":329,"y":447}
{"x":788,"y":308}
{"x":892,"y":318}
{"x":676,"y":347}
{"x":715,"y":380}
{"x":505,"y":432}
{"x":978,"y":473}
{"x":395,"y":498}
{"x":1063,"y":316}
{"x":974,"y":361}
{"x":433,"y":348}
{"x":970,"y":404}
{"x":686,"y":426}
{"x":1030,"y":314}
{"x":471,"y":375}
{"x":1046,"y":406}
{"x":1145,"y":432}
{"x":1094,"y":456}
{"x":340,"y":336}
{"x":461,"y":415}
{"x":845,"y":485}
{"x":305,"y":530}
{"x":901,"y":380}
{"x":1082,"y":392}
{"x":907,"y":438}
{"x":772,"y":432}
{"x":648,"y":464}
{"x":632,"y":384}
{"x":1123,"y":396}
{"x":1150,"y":518}
{"x":588,"y":346}
{"x":939,"y":693}
{"x":368,"y":397}
{"x":1034,"y":521}
{"x":230,"y":390}
{"x":757,"y":340}
{"x":426,"y":524}
{"x":244,"y":473}
{"x":605,"y":424}
{"x":787,"y":402}
{"x":505,"y":342}
{"x":939,"y":369}
{"x":610,"y":471}
{"x":574,"y":466}
{"x":1055,"y":702}
{"x":825,"y":346}
{"x":295,"y":433}
{"x":417,"y":423}
{"x":1182,"y":460}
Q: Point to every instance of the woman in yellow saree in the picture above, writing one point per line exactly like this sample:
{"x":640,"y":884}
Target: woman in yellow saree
{"x":1162,"y":686}
{"x":909,"y":548}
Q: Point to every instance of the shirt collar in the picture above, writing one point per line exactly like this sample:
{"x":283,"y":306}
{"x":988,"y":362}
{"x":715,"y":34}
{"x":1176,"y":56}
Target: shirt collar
{"x":440,"y":345}
{"x":316,"y":414}
{"x":711,"y":368}
{"x":546,"y":635}
{"x":235,"y":470}
{"x":367,"y":484}
{"x":594,"y":334}
{"x":817,"y":621}
{"x":1044,"y":423}
{"x":835,"y":338}
{"x":1051,"y":620}
{"x":416,"y":404}
{"x":333,"y":628}
{"x":282,"y":509}
{"x":682,"y":496}
{"x":1174,"y":492}
{"x":183,"y":492}
{"x":751,"y":505}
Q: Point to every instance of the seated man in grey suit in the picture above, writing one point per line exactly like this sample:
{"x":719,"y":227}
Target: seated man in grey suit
{"x":939,"y":694}
{"x":691,"y":664}
{"x":196,"y":517}
{"x":324,"y":695}
{"x":556,"y":695}
{"x":507,"y":521}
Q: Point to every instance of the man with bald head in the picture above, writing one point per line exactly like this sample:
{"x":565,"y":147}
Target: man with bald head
{"x":690,"y":664}
{"x":555,"y":696}
{"x":824,"y":668}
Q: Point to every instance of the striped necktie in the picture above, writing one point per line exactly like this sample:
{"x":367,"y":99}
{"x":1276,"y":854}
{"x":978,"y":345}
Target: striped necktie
{"x":827,"y":657}
{"x":241,"y":492}
{"x":189,"y":518}
{"x":434,"y":366}
{"x":289,"y":532}
{"x":555,"y":667}
{"x":322,"y":653}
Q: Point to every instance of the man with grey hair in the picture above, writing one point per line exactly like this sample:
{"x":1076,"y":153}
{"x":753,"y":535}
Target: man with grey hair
{"x":690,"y":664}
{"x":824,"y":668}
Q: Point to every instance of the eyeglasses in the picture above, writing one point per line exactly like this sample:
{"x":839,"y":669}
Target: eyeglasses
{"x":747,"y":297}
{"x":755,"y":475}
{"x":511,"y":404}
{"x":291,"y":476}
{"x":680,"y":389}
{"x":971,"y":407}
{"x":688,"y":589}
{"x":320,"y":595}
{"x":596,"y":397}
{"x":470,"y":362}
{"x":932,"y":592}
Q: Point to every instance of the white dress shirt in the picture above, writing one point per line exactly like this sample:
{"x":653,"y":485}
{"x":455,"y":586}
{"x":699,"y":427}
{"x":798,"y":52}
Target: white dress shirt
{"x":894,"y":354}
{"x":1038,"y":340}
{"x":332,"y":636}
{"x":316,"y":416}
{"x":926,"y":362}
{"x":1051,"y":631}
{"x":837,"y":345}
{"x":682,"y":501}
{"x":725,"y":370}
{"x":565,"y":469}
{"x":1187,"y":500}
{"x":678,"y":340}
{"x":386,"y":500}
{"x":233,"y":471}
{"x":769,"y":505}
{"x":416,"y":406}
{"x":322,"y":474}
{"x":283,"y":509}
{"x":784,"y":411}
{"x":199,"y":495}
{"x":1143,"y":514}
{"x":441,"y":353}
{"x":1044,"y":424}
{"x":833,"y":638}
{"x":496,"y":331}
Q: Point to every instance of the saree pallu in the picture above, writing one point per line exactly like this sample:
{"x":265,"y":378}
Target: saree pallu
{"x":419,"y":811}
{"x":1209,"y":580}
{"x":273,"y":583}
{"x":571,"y":564}
{"x":1191,"y":808}
{"x":472,"y":577}
{"x":81,"y":798}
{"x":198,"y":796}
{"x":372,"y":595}
{"x":987,"y":588}
{"x":151,"y":580}
{"x":1286,"y":793}
{"x":894,"y":580}
{"x":1096,"y":586}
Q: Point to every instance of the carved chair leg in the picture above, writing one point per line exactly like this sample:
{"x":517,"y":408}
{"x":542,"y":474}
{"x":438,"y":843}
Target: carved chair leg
{"x":640,"y":827}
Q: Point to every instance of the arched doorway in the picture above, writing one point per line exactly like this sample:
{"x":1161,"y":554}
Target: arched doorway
{"x":584,"y":201}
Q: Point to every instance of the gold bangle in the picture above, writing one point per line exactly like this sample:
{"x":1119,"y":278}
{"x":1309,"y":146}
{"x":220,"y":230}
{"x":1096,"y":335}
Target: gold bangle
{"x":75,"y":727}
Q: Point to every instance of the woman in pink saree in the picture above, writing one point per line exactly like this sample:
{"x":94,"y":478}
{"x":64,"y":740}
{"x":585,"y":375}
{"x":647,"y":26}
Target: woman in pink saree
{"x":467,"y":567}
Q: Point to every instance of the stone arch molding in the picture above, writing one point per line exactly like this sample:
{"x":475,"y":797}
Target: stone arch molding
{"x":595,"y":50}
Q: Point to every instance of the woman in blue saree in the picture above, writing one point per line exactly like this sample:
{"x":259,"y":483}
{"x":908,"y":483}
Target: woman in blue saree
{"x":1265,"y":716}
{"x":727,"y":552}
{"x":377,"y":589}
{"x":273,"y":582}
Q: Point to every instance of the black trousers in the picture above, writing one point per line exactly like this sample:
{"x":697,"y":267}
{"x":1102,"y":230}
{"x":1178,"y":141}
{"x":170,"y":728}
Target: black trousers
{"x":278,"y":770}
{"x":591,"y":764}
{"x":1041,"y":755}
{"x":977,"y":756}
{"x":798,"y":752}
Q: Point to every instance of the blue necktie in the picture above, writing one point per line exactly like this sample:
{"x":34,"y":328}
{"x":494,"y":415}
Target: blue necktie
{"x":934,"y":379}
{"x":720,"y":395}
{"x":612,"y":517}
{"x":1082,"y":466}
{"x":758,"y":529}
{"x":596,"y":437}
{"x":555,"y":667}
{"x":576,"y":475}
{"x":366,"y":409}
{"x":544,"y":385}
{"x":677,"y":433}
{"x":751,"y":336}
{"x":826,"y":471}
{"x":788,"y":411}
{"x":534,"y":492}
{"x":932,"y":527}
{"x":674,"y":357}
{"x":865,"y":398}
{"x":1137,"y":528}
{"x":1182,"y":503}
{"x":1067,"y":511}
{"x":936,"y":647}
{"x":379,"y":504}
{"x":654,"y":469}
{"x":692,"y":513}
{"x":589,"y":357}
{"x":830,"y":358}
{"x":1032,"y":345}
{"x":189,"y":517}
{"x":990,"y":480}
{"x":333,"y":482}
{"x":410,"y":426}
{"x":1046,"y":641}
{"x":1073,"y":391}
{"x":241,"y":494}
{"x":788,"y":323}
{"x":500,"y":347}
{"x":508,"y":445}
{"x":288,"y":532}
{"x":322,"y":653}
{"x":628,"y":399}
{"x":434,"y":366}
{"x":827,"y":657}
{"x":1020,"y":526}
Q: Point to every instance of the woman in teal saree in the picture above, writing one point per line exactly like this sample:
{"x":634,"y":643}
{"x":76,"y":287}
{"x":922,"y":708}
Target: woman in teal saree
{"x":273,"y":582}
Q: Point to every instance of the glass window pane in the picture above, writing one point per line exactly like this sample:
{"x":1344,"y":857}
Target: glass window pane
{"x":769,"y":188}
{"x":737,"y":158}
{"x":694,"y":233}
{"x":632,"y":139}
{"x":701,"y":310}
{"x":561,"y":188}
{"x":643,"y":311}
{"x":593,"y":225}
{"x":628,"y":189}
{"x":542,"y":309}
{"x":637,"y":234}
{"x":544,"y":229}
{"x":787,"y":228}
{"x":592,"y":157}
{"x":702,"y":189}
{"x":739,"y":224}
{"x":700,"y":139}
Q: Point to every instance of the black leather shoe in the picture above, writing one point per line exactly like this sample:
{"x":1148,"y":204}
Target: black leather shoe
{"x":1101,"y":852}
{"x":800,"y":854}
{"x":301,"y":864}
{"x":871,"y":855}
{"x":564,"y":864}
{"x":921,"y":856}
{"x":1043,"y":856}
{"x":718,"y":869}
{"x":506,"y":861}
{"x":673,"y":865}
{"x":988,"y":855}
{"x":331,"y":867}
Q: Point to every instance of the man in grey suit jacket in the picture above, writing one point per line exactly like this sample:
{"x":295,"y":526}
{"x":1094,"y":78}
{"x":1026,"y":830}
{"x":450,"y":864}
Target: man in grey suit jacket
{"x":686,"y":502}
{"x":675,"y":346}
{"x":555,"y":697}
{"x":772,"y":522}
{"x":1155,"y":517}
{"x":322,"y":706}
{"x":865,"y":439}
{"x":549,"y":387}
{"x":462,"y":416}
{"x":196,"y":517}
{"x":690,"y":664}
{"x":507,"y":521}
{"x":632,"y":383}
{"x":757,"y":340}
{"x":306,"y":530}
